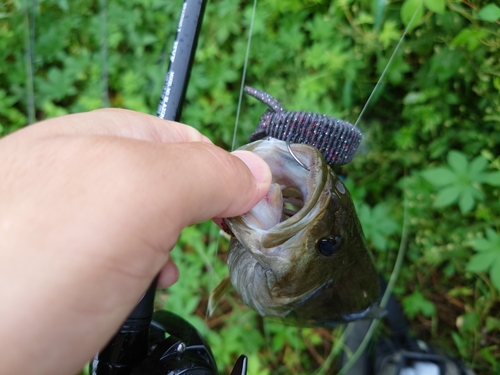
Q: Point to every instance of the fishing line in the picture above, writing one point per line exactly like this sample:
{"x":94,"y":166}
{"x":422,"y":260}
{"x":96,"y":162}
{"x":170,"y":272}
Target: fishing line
{"x":243,"y":76}
{"x":384,"y":72}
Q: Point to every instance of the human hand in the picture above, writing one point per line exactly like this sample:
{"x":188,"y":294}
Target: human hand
{"x":90,"y":207}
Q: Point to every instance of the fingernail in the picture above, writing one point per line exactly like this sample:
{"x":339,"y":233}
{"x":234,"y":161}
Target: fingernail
{"x":259,"y":168}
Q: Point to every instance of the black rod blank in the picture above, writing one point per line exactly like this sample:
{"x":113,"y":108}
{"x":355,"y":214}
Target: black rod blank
{"x":181,"y":60}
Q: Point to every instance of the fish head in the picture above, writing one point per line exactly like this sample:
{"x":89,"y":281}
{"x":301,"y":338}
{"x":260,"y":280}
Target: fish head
{"x":300,"y":253}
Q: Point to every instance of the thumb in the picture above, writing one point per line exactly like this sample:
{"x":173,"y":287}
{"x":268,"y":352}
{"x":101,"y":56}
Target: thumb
{"x":211,"y":182}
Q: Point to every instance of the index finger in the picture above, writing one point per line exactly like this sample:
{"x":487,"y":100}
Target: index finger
{"x":120,"y":123}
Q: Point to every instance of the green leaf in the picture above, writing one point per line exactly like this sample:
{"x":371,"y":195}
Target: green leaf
{"x":414,"y":97}
{"x":477,"y":165}
{"x":364,"y":18}
{"x":57,"y":85}
{"x":492,"y":323}
{"x":471,"y":322}
{"x":490,"y":13}
{"x":469,"y":37}
{"x":460,"y":343}
{"x":492,"y":236}
{"x":473,"y":191}
{"x":412,"y":11}
{"x":482,"y":244}
{"x":493,"y":178}
{"x":496,"y":83}
{"x":378,"y":7}
{"x":466,"y":202}
{"x":481,"y":177}
{"x":436,"y":6}
{"x":440,"y":176}
{"x":445,"y":64}
{"x":490,"y":243}
{"x":378,"y":241}
{"x":63,"y":4}
{"x":378,"y":224}
{"x":488,"y":256}
{"x":492,"y":359}
{"x":495,"y":273}
{"x":457,"y":161}
{"x":416,"y":303}
{"x":447,"y":196}
{"x":477,"y":193}
{"x":389,"y":33}
{"x":481,"y":262}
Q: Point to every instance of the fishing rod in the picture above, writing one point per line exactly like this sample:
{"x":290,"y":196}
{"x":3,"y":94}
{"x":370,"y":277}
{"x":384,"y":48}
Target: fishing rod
{"x":157,"y":343}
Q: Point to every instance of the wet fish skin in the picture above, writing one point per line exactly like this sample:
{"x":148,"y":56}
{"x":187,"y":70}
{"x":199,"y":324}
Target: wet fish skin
{"x":280,"y":272}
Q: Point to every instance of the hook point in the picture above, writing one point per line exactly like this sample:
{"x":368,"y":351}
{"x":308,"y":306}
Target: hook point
{"x":293,"y":155}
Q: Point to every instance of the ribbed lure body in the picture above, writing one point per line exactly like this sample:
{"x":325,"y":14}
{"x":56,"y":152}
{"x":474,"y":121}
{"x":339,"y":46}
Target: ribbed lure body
{"x":336,"y":140}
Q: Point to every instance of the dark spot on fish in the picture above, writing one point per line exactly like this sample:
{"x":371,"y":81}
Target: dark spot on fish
{"x":329,"y":246}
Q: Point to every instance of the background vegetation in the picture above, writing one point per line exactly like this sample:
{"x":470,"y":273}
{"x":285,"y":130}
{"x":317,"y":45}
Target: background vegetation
{"x":432,"y":136}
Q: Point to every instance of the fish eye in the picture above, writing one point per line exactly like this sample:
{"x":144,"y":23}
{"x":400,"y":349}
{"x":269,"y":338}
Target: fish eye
{"x":329,"y":245}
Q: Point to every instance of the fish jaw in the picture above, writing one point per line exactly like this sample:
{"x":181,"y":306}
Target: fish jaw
{"x":265,"y":238}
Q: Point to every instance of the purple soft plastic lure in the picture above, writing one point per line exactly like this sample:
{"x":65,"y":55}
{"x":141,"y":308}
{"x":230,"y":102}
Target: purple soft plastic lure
{"x":337,"y":140}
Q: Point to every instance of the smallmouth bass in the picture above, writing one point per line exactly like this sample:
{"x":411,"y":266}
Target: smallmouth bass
{"x":300,"y":253}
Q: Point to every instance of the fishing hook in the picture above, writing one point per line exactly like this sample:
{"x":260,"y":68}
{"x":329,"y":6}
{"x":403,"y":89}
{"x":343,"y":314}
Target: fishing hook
{"x":293,"y":155}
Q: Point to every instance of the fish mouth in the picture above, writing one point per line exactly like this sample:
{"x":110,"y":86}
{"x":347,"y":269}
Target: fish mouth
{"x":293,"y":202}
{"x":294,"y":192}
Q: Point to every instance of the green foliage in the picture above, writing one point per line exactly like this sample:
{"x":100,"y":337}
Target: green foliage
{"x":441,"y":93}
{"x":378,"y":225}
{"x":378,"y":222}
{"x":469,"y":37}
{"x":487,"y":257}
{"x":437,"y":6}
{"x":416,"y":303}
{"x":412,"y":12}
{"x":461,"y":181}
{"x":489,"y":13}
